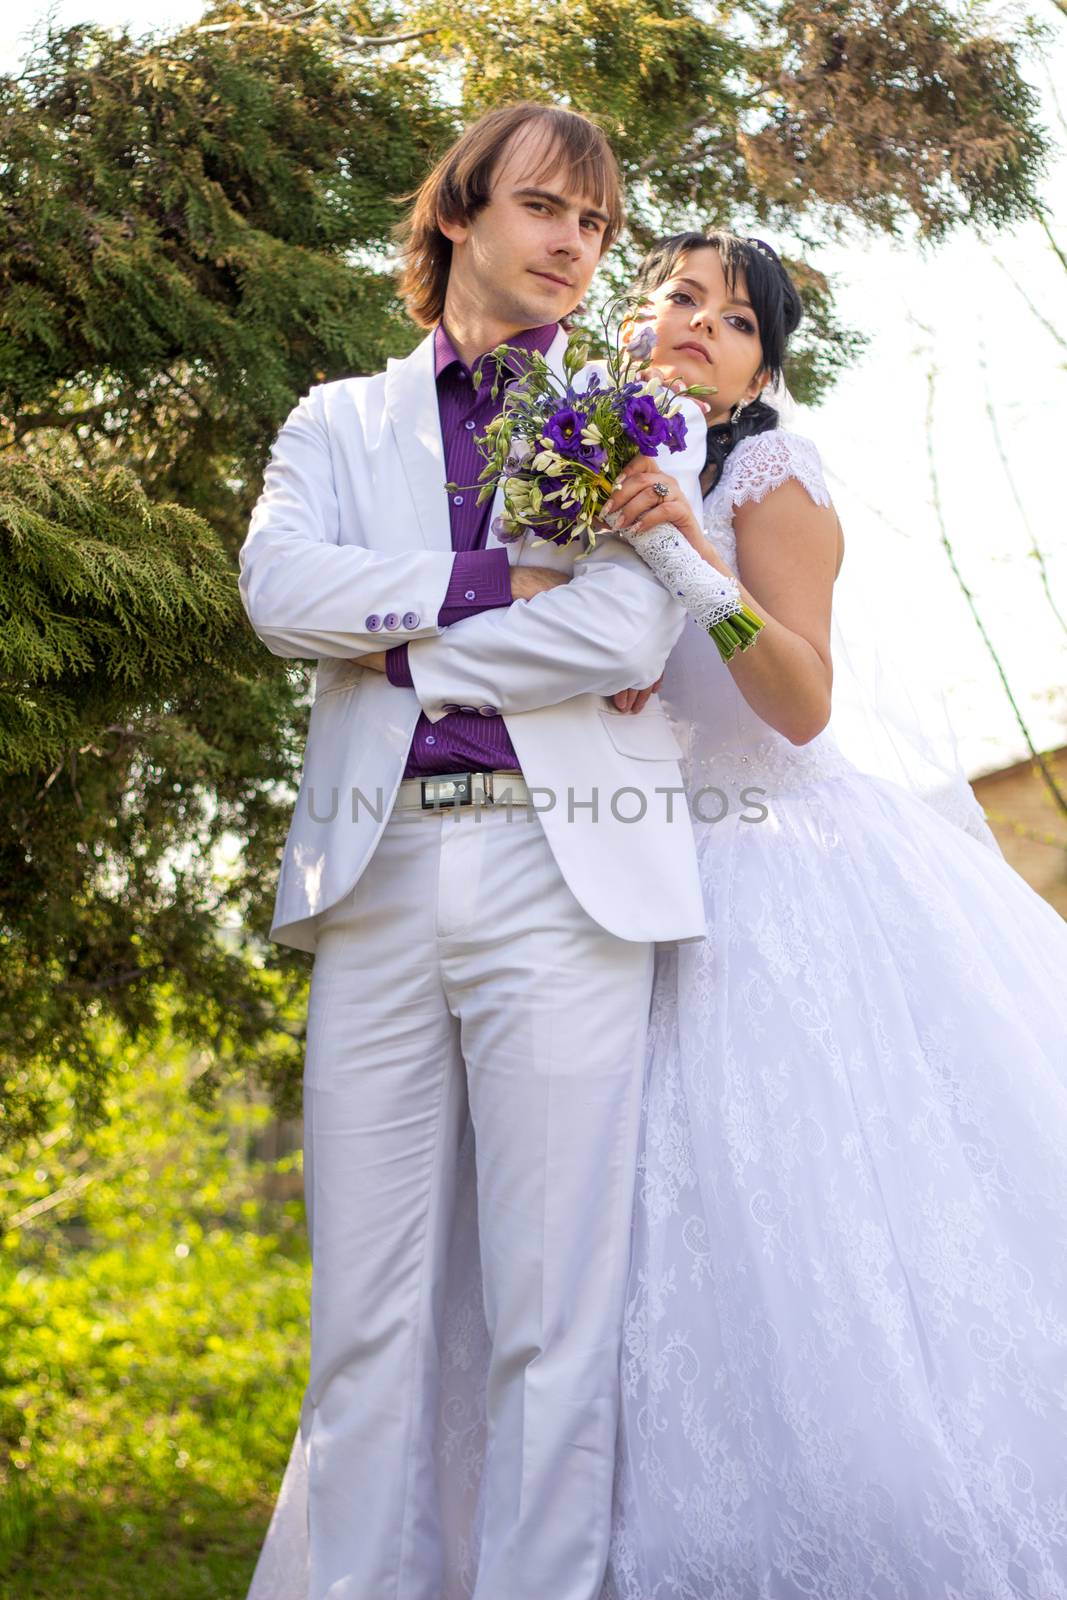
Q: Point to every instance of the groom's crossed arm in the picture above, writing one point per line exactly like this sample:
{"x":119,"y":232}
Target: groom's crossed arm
{"x":613,"y":625}
{"x":308,"y":595}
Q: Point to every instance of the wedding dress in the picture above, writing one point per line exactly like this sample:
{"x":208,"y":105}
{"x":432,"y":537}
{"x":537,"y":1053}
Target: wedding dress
{"x":844,"y":1364}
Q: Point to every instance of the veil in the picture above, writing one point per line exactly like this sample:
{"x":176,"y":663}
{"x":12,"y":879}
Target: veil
{"x":887,"y":719}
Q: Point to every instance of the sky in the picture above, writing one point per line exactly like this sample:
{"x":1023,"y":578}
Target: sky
{"x":962,"y":311}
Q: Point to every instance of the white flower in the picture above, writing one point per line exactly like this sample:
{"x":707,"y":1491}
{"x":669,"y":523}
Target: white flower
{"x":549,"y":461}
{"x":517,"y":496}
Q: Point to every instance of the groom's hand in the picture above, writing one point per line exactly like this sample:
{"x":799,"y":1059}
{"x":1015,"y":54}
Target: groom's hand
{"x":528,"y":581}
{"x":636,"y":699}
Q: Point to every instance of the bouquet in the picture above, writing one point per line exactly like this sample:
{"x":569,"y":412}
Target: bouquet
{"x":555,"y":451}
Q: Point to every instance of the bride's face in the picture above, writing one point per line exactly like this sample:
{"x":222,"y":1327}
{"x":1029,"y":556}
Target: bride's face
{"x":706,"y":332}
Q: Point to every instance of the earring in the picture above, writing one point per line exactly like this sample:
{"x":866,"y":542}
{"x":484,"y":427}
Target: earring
{"x":735,"y":414}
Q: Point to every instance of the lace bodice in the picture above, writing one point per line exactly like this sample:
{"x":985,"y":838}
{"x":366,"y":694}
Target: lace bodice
{"x":725,"y":743}
{"x":753,"y":468}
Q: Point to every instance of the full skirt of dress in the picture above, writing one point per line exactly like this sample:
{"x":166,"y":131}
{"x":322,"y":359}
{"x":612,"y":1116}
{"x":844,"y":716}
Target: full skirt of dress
{"x":844,"y":1358}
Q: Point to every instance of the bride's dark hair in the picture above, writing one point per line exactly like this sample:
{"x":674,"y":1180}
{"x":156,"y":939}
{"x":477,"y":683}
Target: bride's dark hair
{"x":775,"y":301}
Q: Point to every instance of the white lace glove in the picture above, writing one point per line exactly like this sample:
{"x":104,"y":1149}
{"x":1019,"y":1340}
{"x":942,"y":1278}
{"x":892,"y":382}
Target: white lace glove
{"x":707,"y":595}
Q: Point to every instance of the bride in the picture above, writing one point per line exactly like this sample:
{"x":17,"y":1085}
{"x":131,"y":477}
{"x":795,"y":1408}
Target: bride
{"x":844,"y":1369}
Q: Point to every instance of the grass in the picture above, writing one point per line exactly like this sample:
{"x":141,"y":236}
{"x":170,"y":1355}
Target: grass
{"x":153,"y":1345}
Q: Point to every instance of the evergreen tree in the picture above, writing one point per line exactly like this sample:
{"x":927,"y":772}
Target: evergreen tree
{"x":193,"y":231}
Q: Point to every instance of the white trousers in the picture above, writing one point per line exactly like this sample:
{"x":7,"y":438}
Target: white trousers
{"x":462,"y":972}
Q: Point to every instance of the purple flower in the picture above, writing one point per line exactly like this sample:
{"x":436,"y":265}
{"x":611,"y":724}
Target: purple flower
{"x":641,"y":346}
{"x":504,"y":533}
{"x":593,"y":456}
{"x":676,"y":433}
{"x":645,"y":424}
{"x":519,"y":452}
{"x":565,"y":430}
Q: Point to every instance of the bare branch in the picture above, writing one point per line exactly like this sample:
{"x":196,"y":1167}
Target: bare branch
{"x":1035,"y":548}
{"x":1054,"y":97}
{"x":1045,"y":323}
{"x":68,"y":1191}
{"x":350,"y":41}
{"x":1039,"y":761}
{"x":121,"y":980}
{"x":45,"y":1142}
{"x":708,"y":121}
{"x":1042,"y":217}
{"x":64,"y":419}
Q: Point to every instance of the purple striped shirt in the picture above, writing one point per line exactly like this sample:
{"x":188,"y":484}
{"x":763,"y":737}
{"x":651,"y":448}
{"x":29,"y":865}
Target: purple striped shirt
{"x":470,"y":736}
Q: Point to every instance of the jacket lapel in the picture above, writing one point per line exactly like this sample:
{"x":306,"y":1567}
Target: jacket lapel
{"x":411,"y":405}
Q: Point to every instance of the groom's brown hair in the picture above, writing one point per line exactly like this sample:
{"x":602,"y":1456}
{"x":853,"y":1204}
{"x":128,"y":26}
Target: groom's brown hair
{"x":461,"y":183}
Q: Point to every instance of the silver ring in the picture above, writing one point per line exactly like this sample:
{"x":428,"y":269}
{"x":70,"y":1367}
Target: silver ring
{"x":660,"y":489}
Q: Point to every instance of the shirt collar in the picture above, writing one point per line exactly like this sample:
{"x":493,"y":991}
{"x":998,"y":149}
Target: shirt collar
{"x":539,"y":339}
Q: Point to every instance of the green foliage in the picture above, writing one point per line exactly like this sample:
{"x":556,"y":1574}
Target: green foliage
{"x":153,"y":1330}
{"x":881,"y":111}
{"x":792,"y":113}
{"x":791,"y":116}
{"x":108,"y":595}
{"x":198,"y":226}
{"x":179,"y":260}
{"x":137,"y":734}
{"x":179,"y":253}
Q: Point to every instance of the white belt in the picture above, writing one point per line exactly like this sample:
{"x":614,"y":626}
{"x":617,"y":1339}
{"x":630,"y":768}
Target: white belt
{"x":446,"y":790}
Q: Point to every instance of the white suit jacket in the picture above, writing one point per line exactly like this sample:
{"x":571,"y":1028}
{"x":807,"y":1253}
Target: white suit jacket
{"x":349,"y":551}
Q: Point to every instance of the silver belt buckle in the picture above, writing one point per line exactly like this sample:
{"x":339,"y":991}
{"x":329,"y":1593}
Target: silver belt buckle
{"x":454,"y":789}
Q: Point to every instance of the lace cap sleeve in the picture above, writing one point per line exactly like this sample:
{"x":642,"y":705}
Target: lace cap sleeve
{"x":764,"y":461}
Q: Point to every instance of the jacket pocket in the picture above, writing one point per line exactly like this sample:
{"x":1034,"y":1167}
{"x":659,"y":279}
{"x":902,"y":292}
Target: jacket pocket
{"x":332,"y":675}
{"x":648,"y":736}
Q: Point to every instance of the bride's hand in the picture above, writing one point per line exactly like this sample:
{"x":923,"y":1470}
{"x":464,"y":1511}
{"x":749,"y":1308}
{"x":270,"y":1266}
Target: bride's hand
{"x":638,"y":506}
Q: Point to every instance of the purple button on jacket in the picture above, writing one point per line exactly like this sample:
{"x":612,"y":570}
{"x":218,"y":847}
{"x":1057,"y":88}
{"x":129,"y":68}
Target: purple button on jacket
{"x":473,"y":737}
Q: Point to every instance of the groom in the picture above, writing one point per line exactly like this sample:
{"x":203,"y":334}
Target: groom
{"x":483,"y":854}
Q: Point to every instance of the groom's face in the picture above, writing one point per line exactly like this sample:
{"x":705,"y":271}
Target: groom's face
{"x":528,"y":256}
